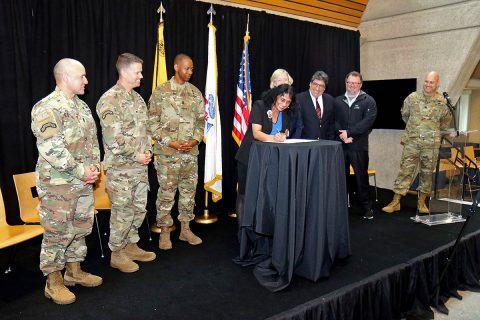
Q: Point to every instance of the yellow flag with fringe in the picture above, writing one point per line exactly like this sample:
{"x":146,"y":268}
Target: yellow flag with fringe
{"x":160,"y":67}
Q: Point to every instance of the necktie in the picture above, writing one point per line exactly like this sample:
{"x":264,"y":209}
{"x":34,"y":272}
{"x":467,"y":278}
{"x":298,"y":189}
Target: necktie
{"x":318,"y":110}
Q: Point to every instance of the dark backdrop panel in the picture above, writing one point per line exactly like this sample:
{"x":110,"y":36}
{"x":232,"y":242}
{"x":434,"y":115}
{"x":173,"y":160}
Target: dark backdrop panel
{"x":35,"y":34}
{"x":389,"y":95}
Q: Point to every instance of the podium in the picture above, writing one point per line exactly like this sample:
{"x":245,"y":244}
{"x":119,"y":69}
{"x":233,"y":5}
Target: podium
{"x":456,"y":178}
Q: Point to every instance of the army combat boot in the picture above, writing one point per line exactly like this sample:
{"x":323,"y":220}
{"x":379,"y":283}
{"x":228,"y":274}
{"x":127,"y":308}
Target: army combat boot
{"x":120,"y":261}
{"x":75,"y":275}
{"x":187,"y":235}
{"x":164,"y":242}
{"x":56,"y":290}
{"x":394,"y":205}
{"x":133,"y":252}
{"x":422,"y":207}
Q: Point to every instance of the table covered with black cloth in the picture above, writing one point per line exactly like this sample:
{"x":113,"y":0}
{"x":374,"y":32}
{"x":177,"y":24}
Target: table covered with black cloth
{"x":295,"y":217}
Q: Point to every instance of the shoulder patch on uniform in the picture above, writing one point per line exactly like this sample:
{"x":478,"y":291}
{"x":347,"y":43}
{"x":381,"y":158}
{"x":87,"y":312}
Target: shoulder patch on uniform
{"x":42,"y":116}
{"x":106,"y":114}
{"x":46,"y":124}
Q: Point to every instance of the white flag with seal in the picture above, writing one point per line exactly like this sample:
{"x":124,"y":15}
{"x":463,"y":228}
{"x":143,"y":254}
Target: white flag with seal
{"x":212,"y":134}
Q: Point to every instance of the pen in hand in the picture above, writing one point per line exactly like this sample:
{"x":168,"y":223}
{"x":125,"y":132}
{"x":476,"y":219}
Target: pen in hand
{"x":279,"y":136}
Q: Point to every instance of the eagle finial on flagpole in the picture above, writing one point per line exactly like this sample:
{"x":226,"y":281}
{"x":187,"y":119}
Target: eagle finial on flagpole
{"x":161,"y":10}
{"x":211,"y":12}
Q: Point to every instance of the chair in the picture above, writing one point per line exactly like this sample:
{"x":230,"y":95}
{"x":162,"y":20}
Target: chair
{"x":28,"y":200}
{"x":27,"y":197}
{"x":101,"y":201}
{"x":468,"y":163}
{"x":12,"y":235}
{"x":470,"y":156}
{"x":472,"y":168}
{"x":371,"y":173}
{"x":100,"y":195}
{"x":154,"y":227}
{"x":467,"y":158}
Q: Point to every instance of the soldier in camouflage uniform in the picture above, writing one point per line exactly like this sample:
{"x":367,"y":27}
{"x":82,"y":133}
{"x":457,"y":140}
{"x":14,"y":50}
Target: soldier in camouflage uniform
{"x":426,"y":114}
{"x":128,"y":151}
{"x":68,"y":164}
{"x":176,"y":120}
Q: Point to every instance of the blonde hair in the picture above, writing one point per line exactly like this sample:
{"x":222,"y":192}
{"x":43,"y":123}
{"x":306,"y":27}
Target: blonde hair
{"x":277,"y":74}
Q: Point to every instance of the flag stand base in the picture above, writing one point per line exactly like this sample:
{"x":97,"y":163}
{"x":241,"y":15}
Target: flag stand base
{"x":206,"y":218}
{"x":156,"y":229}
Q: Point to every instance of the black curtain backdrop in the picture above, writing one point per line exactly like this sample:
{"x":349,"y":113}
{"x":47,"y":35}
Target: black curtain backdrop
{"x":35,"y":34}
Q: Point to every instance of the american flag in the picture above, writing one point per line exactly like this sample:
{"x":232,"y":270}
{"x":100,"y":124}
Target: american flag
{"x":243,"y":102}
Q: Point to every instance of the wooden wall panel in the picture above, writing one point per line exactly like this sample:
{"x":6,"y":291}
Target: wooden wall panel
{"x":342,"y":12}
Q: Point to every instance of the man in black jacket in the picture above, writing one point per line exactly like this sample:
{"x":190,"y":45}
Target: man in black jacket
{"x":315,"y":107}
{"x":355,"y":113}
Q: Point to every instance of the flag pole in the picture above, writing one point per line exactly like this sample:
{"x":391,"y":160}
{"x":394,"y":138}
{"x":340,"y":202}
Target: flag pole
{"x":207,"y":218}
{"x":161,"y":10}
{"x":233,"y":214}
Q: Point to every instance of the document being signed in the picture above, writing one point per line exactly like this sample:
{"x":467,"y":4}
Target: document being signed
{"x":294,"y":141}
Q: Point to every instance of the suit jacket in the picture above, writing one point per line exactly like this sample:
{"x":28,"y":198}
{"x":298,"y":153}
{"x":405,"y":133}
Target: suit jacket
{"x":313,"y":128}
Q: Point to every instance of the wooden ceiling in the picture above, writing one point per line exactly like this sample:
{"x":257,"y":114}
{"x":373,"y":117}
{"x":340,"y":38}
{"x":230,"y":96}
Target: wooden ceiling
{"x":342,"y":12}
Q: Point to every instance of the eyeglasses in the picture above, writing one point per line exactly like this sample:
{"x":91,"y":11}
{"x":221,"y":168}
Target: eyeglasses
{"x":353,"y":83}
{"x":316,"y":84}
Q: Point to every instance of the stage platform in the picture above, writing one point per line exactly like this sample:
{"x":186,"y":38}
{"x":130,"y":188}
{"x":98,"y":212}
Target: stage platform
{"x":394,"y":266}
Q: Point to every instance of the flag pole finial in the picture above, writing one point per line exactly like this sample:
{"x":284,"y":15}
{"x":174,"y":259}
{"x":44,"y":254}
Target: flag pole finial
{"x":248,"y":21}
{"x":211,"y":12}
{"x":161,"y":10}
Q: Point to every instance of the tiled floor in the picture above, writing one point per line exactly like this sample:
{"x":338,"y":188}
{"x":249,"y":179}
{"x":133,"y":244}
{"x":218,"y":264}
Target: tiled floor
{"x":466,"y":309}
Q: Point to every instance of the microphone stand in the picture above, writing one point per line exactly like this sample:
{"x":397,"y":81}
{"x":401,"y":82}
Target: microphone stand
{"x":471,"y":211}
{"x":451,"y":108}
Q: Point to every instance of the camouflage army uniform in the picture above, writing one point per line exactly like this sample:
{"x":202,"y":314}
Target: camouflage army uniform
{"x":176,"y":112}
{"x":123,"y":117}
{"x":67,"y":143}
{"x":425,"y":117}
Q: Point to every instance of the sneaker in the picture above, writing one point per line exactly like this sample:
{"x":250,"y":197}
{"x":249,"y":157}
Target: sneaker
{"x":368,"y":214}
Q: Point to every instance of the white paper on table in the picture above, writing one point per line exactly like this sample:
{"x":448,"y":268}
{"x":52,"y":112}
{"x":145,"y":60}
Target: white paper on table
{"x":298,"y":140}
{"x":294,"y":141}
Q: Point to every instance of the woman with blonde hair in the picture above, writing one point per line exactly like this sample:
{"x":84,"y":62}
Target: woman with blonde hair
{"x":280,"y":76}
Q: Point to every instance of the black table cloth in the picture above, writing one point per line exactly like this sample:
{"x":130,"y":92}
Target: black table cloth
{"x":296,"y":217}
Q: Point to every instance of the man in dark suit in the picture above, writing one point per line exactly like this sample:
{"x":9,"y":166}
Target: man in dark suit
{"x":315,"y":107}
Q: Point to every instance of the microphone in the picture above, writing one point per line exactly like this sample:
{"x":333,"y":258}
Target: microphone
{"x":449,"y":102}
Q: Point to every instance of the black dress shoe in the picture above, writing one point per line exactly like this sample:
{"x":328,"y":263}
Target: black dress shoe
{"x":368,"y":214}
